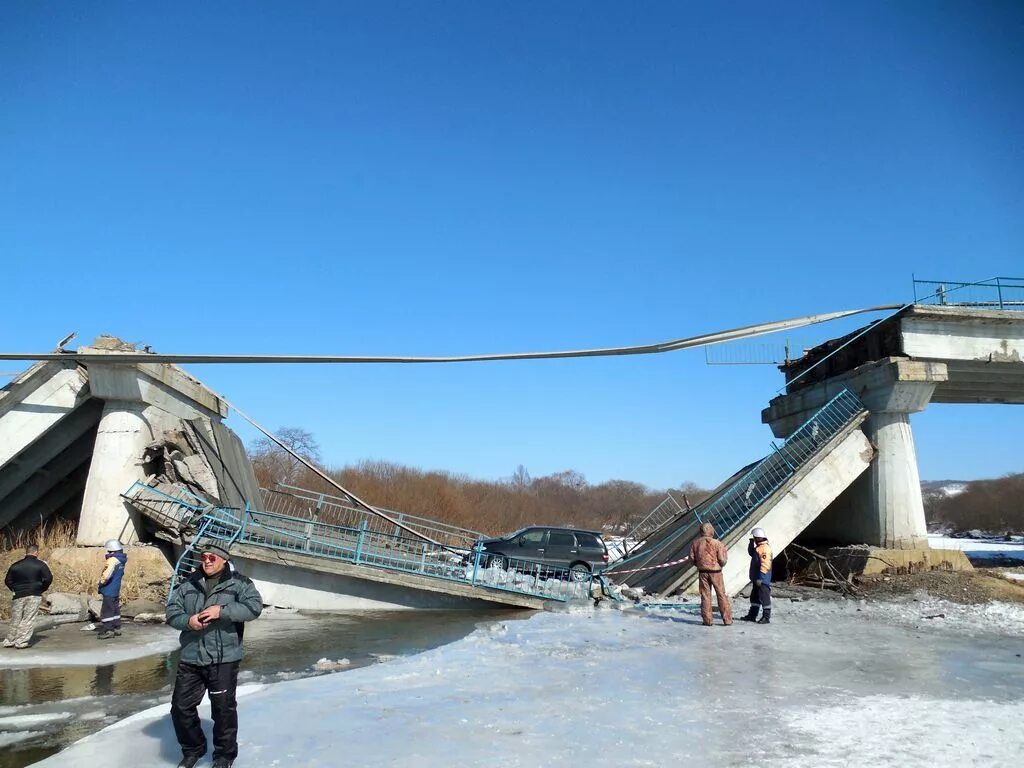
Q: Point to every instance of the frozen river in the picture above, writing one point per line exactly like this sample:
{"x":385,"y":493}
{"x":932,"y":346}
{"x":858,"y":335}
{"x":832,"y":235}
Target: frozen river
{"x":44,"y":708}
{"x":828,"y":683}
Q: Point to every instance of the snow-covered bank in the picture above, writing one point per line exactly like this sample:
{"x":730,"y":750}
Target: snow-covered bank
{"x":629,"y":688}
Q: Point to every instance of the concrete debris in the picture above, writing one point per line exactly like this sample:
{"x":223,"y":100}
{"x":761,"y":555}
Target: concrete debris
{"x":149,"y":618}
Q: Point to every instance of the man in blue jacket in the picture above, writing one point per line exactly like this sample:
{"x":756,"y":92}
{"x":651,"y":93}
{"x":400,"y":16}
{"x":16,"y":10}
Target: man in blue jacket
{"x":110,"y":590}
{"x":210,"y":610}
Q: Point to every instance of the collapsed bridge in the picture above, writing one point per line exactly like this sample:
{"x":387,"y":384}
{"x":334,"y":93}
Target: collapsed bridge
{"x":140,"y":451}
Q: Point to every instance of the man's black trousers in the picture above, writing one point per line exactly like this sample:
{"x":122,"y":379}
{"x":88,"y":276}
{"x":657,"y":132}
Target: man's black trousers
{"x":761,"y":594}
{"x":189,"y":686}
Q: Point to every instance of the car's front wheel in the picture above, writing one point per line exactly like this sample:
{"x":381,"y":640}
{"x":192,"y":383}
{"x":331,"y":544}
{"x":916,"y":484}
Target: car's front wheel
{"x":498,"y":561}
{"x":579,"y":572}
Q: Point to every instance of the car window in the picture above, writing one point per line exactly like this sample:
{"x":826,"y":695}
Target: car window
{"x":588,"y":540}
{"x":560,"y":539}
{"x":532,"y":538}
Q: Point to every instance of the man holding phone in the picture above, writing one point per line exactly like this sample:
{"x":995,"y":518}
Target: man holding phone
{"x":210,"y":609}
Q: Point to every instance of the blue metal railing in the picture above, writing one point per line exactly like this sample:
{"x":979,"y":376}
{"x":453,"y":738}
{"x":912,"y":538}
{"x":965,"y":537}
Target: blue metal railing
{"x":742,"y":498}
{"x":668,"y":510}
{"x":303,"y":503}
{"x":185,"y":512}
{"x":361,"y":545}
{"x":1005,"y":293}
{"x":751,"y":490}
{"x":216,"y":524}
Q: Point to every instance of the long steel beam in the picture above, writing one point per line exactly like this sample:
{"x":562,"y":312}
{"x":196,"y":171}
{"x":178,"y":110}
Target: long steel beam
{"x":744,"y":332}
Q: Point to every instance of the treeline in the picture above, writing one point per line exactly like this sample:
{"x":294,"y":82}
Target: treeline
{"x":491,"y":507}
{"x":996,"y":506}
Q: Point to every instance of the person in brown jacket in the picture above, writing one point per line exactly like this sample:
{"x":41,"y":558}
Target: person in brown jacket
{"x":708,"y":554}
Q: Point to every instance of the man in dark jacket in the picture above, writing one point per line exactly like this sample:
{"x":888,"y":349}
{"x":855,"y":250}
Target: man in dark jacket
{"x":27,"y":579}
{"x":210,"y":609}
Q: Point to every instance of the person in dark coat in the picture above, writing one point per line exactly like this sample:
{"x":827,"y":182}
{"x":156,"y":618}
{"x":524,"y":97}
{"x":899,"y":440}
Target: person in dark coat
{"x":110,"y":590}
{"x":27,"y":579}
{"x":760,"y":577}
{"x":210,"y":609}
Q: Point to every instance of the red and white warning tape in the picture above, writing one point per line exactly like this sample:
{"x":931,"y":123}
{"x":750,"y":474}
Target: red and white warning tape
{"x":613,"y":572}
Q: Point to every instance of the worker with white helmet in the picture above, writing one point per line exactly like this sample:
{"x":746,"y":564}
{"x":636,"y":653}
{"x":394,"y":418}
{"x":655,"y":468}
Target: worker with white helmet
{"x":760,"y":577}
{"x":110,"y":590}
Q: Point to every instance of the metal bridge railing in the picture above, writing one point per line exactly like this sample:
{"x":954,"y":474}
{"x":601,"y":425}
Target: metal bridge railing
{"x":740,"y":500}
{"x":302,"y":503}
{"x":666,"y":511}
{"x":172,"y":510}
{"x":370,"y":542}
{"x":190,"y":516}
{"x":362,"y":545}
{"x":753,"y":488}
{"x":998,"y":293}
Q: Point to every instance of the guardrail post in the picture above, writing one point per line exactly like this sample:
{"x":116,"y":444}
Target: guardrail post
{"x":359,"y":541}
{"x":478,"y":551}
{"x":423,"y":558}
{"x":783,"y":457}
{"x":999,"y":292}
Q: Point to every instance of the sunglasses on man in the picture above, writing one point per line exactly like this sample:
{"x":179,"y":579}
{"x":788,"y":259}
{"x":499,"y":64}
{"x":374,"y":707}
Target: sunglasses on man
{"x":209,"y":558}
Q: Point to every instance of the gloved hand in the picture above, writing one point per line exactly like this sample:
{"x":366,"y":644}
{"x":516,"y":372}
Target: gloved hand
{"x":757,"y":582}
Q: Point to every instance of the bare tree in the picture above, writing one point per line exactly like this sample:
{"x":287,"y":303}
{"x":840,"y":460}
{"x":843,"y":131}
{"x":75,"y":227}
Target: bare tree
{"x":520,"y":479}
{"x":276,"y":465}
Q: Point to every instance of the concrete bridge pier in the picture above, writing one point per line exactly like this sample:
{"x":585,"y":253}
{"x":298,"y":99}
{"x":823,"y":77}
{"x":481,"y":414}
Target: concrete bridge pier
{"x":125,"y":429}
{"x":883,"y":507}
{"x":141,"y":403}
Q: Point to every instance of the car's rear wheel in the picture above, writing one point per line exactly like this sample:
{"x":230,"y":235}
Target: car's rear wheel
{"x":579,"y":572}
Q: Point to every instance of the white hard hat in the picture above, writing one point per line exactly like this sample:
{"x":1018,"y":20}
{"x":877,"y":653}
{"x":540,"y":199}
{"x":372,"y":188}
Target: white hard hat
{"x":758,"y":533}
{"x":114,"y":546}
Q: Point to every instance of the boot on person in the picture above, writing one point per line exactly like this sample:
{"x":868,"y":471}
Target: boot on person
{"x":767,"y":618}
{"x":751,"y":614}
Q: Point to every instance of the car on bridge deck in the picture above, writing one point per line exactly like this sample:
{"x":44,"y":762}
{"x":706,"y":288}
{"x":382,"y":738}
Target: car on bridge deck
{"x":577,"y":551}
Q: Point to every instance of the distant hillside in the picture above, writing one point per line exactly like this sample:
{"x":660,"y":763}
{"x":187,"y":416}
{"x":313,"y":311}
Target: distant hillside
{"x":995,"y":505}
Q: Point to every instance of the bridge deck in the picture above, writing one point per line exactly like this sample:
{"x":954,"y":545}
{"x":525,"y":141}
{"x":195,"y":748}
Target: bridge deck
{"x":366,"y":549}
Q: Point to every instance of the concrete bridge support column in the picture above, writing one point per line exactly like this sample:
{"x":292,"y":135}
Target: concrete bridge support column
{"x":894,"y":483}
{"x":125,"y":429}
{"x":884,"y":507}
{"x":141,"y":403}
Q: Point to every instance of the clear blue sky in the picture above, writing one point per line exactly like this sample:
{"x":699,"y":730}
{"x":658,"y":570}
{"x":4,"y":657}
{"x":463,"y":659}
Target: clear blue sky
{"x":414,"y":178}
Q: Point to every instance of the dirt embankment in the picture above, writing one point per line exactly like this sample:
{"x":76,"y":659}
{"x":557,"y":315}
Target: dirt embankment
{"x":966,"y":587}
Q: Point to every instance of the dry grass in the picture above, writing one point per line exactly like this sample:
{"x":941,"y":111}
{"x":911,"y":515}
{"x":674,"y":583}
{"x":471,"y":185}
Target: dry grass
{"x":57,"y":535}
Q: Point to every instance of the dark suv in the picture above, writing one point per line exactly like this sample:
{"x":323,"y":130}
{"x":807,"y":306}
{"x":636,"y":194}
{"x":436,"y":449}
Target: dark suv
{"x":579,"y":551}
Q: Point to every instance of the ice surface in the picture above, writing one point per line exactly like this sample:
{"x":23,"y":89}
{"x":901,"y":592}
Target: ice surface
{"x":837,"y":682}
{"x":6,"y":739}
{"x":978,"y":547}
{"x":51,"y":654}
{"x":14,"y":722}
